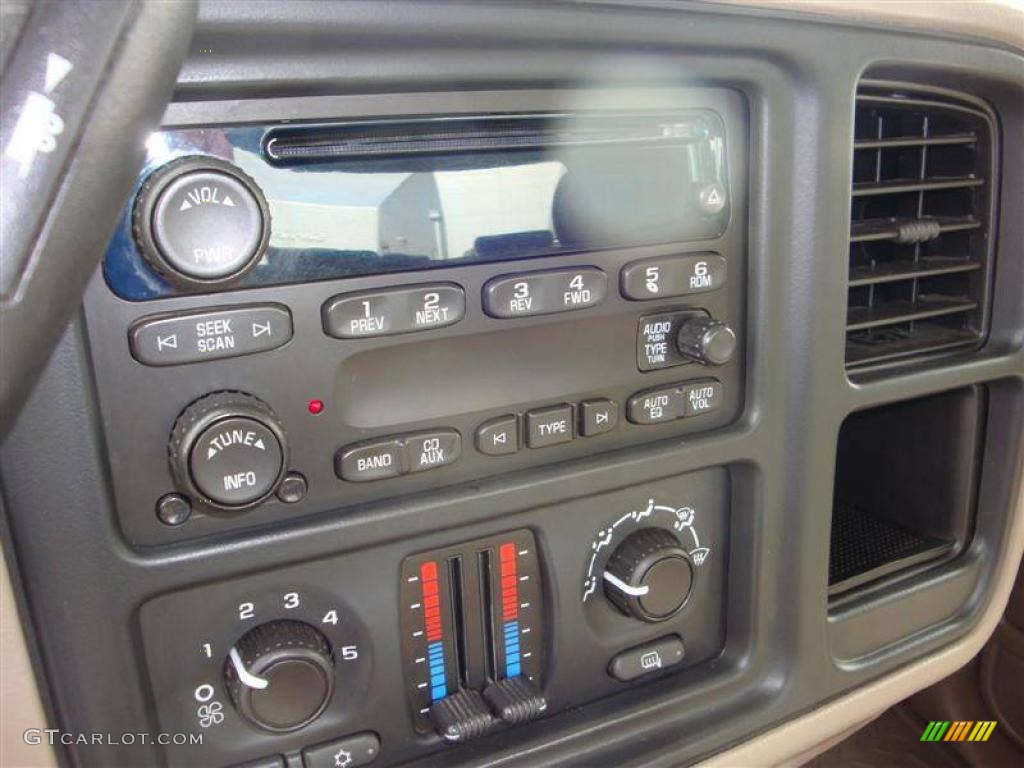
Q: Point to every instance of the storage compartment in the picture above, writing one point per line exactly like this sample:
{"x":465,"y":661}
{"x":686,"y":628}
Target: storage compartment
{"x":905,"y":486}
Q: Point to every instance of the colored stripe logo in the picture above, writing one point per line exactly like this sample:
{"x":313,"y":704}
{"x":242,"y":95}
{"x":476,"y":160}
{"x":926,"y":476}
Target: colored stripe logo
{"x":958,"y":730}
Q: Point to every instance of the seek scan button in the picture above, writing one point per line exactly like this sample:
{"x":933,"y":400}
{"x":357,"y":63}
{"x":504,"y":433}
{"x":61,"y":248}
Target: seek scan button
{"x":191,"y":337}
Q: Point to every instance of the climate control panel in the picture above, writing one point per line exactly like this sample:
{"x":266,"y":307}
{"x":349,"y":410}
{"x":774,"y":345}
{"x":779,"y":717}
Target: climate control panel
{"x":395,"y":651}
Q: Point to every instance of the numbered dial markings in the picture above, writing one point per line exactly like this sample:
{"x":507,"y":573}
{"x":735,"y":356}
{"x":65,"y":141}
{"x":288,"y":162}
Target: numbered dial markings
{"x":308,"y":639}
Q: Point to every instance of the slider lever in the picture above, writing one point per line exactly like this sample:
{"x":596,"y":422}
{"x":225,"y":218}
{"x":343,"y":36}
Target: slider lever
{"x":515,"y":700}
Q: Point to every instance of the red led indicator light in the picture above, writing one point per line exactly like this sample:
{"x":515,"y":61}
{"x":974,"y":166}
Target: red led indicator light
{"x":315,"y":406}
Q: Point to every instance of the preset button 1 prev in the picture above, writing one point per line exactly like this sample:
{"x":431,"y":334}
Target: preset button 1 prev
{"x":393,"y":311}
{"x":190,"y":337}
{"x":544,"y":293}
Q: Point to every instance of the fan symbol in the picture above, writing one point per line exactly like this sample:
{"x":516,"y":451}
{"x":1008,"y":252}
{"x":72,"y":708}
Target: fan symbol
{"x":342,"y":759}
{"x":210,"y":714}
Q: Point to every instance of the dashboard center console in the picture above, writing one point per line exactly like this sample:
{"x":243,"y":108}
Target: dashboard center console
{"x":297,"y":318}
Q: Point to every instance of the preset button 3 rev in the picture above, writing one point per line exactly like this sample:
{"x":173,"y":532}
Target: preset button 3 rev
{"x":543,"y":293}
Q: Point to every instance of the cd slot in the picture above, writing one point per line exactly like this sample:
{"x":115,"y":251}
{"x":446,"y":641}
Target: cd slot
{"x":447,"y":135}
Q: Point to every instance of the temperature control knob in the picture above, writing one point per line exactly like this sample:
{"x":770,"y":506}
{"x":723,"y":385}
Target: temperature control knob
{"x":706,"y":340}
{"x":228,"y":451}
{"x":649,"y":576}
{"x":280,"y":675}
{"x":201,"y":222}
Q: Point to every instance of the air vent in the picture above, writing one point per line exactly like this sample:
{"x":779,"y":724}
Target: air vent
{"x":920,"y":224}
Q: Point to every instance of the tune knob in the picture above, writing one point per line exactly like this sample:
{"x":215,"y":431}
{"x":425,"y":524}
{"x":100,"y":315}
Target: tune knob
{"x":649,"y":576}
{"x":228,"y":451}
{"x":280,"y":675}
{"x":201,"y":222}
{"x":706,"y":340}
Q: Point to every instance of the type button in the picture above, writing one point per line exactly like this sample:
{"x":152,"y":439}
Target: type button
{"x":549,"y":426}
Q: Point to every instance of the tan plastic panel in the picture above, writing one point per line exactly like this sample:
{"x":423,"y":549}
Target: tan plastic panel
{"x":20,"y":705}
{"x":1000,"y":20}
{"x":801,"y":739}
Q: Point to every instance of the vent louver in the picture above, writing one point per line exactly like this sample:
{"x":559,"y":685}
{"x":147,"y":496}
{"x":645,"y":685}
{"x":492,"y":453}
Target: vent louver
{"x":920,"y":224}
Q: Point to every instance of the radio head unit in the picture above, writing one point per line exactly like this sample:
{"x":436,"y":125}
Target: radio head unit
{"x":269,"y":205}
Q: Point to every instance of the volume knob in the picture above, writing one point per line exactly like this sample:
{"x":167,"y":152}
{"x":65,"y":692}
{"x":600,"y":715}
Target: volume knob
{"x":228,"y":451}
{"x":280,"y":675}
{"x":201,"y":222}
{"x":706,"y":340}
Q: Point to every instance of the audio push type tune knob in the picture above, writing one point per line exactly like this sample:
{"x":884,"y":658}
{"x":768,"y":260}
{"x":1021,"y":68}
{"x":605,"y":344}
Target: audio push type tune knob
{"x":280,"y":675}
{"x":706,"y":340}
{"x":228,"y":451}
{"x":649,"y":576}
{"x":201,"y":222}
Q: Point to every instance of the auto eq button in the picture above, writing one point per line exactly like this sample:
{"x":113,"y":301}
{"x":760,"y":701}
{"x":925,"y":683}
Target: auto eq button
{"x":656,"y":406}
{"x":191,"y":337}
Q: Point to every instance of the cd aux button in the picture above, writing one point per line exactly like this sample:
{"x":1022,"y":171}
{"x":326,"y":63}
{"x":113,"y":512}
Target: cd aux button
{"x":430,"y":450}
{"x":392,"y":311}
{"x":544,"y":293}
